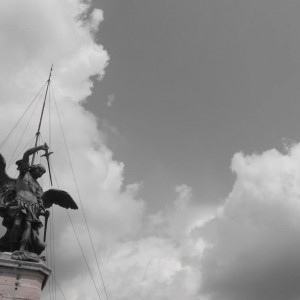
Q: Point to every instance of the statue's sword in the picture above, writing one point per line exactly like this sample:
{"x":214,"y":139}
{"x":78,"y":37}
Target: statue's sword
{"x":47,"y":154}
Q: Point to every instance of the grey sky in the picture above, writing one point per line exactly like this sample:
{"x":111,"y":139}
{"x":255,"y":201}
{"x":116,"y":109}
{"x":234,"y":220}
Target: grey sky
{"x":188,"y":85}
{"x":194,"y":82}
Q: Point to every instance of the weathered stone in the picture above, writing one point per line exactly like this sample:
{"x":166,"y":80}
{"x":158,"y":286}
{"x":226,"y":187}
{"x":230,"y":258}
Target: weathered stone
{"x":21,"y":280}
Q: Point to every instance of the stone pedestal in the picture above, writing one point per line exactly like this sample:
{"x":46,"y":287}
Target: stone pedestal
{"x":21,"y":280}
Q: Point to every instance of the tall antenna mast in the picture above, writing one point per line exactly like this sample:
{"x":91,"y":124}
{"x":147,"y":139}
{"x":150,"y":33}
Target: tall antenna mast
{"x":38,"y":133}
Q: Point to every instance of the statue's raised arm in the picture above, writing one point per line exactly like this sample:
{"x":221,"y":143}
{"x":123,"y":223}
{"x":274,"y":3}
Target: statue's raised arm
{"x":23,"y":164}
{"x":34,"y":150}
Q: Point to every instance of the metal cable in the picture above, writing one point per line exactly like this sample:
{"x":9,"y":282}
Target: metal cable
{"x":83,"y":211}
{"x":78,"y":241}
{"x":19,"y":120}
{"x":22,"y":135}
{"x":56,"y":283}
{"x":22,"y":151}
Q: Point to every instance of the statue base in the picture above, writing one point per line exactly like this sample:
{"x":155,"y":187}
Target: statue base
{"x":22,"y":280}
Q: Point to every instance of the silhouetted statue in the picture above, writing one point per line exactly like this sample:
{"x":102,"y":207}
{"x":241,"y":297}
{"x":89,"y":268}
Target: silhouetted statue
{"x":22,"y":202}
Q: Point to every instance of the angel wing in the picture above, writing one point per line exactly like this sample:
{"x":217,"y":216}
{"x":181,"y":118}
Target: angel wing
{"x":58,"y":197}
{"x":4,"y":178}
{"x":7,"y":187}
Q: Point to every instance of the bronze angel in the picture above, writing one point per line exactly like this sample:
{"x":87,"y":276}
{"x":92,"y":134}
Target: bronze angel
{"x":22,"y":202}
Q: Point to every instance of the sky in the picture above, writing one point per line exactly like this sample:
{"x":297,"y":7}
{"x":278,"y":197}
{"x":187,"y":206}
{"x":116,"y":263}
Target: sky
{"x":181,"y":123}
{"x":193,"y":82}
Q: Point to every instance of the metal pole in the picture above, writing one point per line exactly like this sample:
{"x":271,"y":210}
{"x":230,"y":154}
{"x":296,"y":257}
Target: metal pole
{"x":42,"y":113}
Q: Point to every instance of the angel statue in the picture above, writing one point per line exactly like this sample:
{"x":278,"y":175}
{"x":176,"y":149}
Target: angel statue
{"x":22,"y":202}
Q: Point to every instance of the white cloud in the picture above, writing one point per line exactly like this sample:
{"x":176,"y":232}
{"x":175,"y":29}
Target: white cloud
{"x":140,"y":258}
{"x":163,"y":262}
{"x":34,"y":34}
{"x":254,"y":241}
{"x":110,"y":100}
{"x":248,"y":250}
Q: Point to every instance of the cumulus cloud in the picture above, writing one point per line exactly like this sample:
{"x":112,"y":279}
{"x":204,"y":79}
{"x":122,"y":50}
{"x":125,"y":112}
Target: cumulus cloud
{"x":247,"y":249}
{"x":34,"y":35}
{"x":141,"y":256}
{"x":164,"y":262}
{"x":253,"y":241}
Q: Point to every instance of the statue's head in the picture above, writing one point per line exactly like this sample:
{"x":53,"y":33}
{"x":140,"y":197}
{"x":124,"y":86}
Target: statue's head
{"x":37,"y":171}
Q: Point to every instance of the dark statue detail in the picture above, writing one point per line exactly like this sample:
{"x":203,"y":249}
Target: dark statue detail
{"x":22,"y":202}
